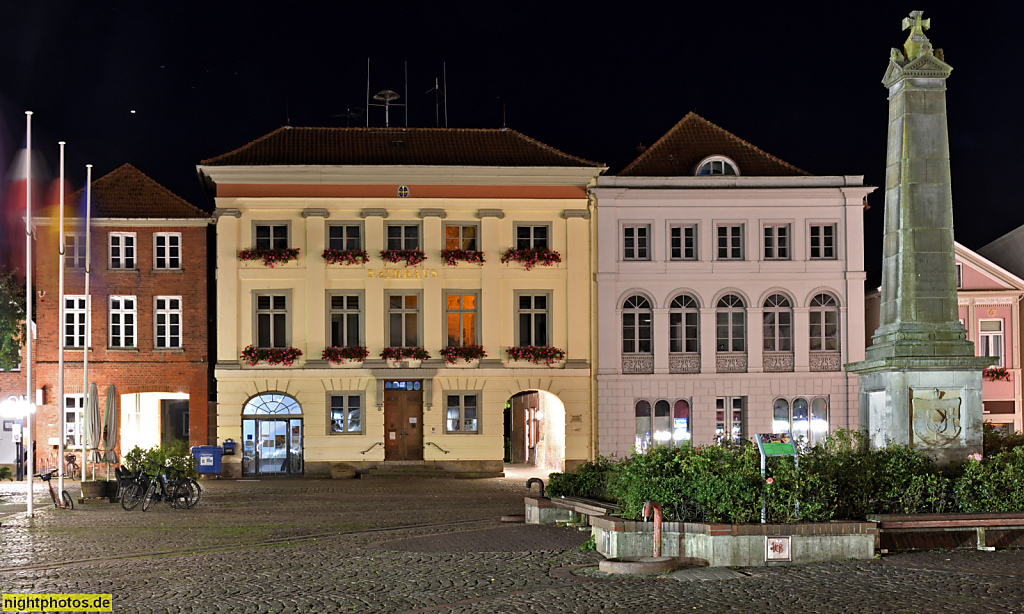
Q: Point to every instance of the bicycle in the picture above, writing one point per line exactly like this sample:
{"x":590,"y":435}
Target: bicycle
{"x":65,"y":502}
{"x":182,"y":492}
{"x":70,"y":466}
{"x":133,"y":490}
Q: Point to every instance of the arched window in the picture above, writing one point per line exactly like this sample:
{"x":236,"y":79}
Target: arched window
{"x":684,"y":325}
{"x":819,"y":420}
{"x":272,"y":403}
{"x":780,"y":416}
{"x":662,"y":423}
{"x":730,"y":324}
{"x":681,"y":421}
{"x":636,"y":326}
{"x":801,"y":426}
{"x":642,"y":413}
{"x":778,"y":324}
{"x":716,"y":165}
{"x":824,"y":323}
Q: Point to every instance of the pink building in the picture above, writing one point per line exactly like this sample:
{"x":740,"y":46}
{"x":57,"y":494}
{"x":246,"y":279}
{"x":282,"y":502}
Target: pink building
{"x":729,"y":294}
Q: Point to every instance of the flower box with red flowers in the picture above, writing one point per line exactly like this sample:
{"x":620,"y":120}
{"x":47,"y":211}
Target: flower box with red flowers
{"x":270,"y":257}
{"x":346,"y":256}
{"x":411,"y":257}
{"x":463,"y":352}
{"x":536,"y":354}
{"x":338,"y":355}
{"x":272,"y":356}
{"x":530,"y":258}
{"x":994,"y":374}
{"x":405,"y":354}
{"x":452,"y":257}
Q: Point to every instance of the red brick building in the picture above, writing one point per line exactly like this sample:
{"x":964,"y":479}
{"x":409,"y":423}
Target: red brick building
{"x":149,"y":314}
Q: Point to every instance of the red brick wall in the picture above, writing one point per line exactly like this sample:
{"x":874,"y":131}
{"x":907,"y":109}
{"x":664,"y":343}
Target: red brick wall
{"x":142,"y":369}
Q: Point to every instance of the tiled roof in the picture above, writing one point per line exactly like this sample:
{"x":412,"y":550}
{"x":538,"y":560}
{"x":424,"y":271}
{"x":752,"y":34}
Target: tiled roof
{"x":397,"y":147}
{"x":695,"y":138}
{"x":127,"y":192}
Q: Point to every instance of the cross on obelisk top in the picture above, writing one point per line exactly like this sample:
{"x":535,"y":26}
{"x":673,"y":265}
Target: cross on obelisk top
{"x":917,"y":38}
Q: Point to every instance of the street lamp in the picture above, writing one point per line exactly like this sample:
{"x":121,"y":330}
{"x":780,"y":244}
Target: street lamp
{"x":19,"y":409}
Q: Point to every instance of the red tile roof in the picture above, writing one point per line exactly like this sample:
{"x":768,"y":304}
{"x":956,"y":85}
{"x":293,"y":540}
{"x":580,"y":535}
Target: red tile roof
{"x":695,"y":138}
{"x":127,"y":192}
{"x":397,"y":146}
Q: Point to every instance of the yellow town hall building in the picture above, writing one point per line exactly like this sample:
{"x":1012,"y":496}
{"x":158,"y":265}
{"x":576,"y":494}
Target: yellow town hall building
{"x":402,"y":296}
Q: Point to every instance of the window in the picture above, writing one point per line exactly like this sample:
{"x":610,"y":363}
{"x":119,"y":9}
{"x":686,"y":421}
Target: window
{"x":730,"y":324}
{"x":642,"y":413}
{"x":716,"y":165}
{"x":636,"y":242}
{"x":167,"y":322}
{"x":683,"y":325}
{"x":271,"y":236}
{"x":824,"y":324}
{"x":823,"y":242}
{"x":636,"y":326}
{"x":462,"y":237}
{"x":122,"y":250}
{"x":959,"y":275}
{"x":730,"y":242}
{"x":532,"y":319}
{"x":74,"y":321}
{"x":532,"y":237}
{"x":990,"y":339}
{"x":776,"y":242}
{"x":729,"y":418}
{"x":345,"y":320}
{"x":74,"y":406}
{"x":403,"y":236}
{"x":462,"y":413}
{"x":167,"y":250}
{"x":346,"y":413}
{"x":681,"y":421}
{"x":808,"y":422}
{"x":460,"y":319}
{"x":778,"y":324}
{"x":346,"y":237}
{"x":122,"y":321}
{"x":683,"y":242}
{"x":271,"y":320}
{"x":403,"y":321}
{"x":74,"y":251}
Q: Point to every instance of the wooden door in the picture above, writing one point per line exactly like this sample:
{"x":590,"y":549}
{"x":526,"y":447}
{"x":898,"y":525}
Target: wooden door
{"x":403,"y":421}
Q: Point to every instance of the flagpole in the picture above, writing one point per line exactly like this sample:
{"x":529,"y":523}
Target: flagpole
{"x":28,"y":307}
{"x":88,"y":314}
{"x":61,"y":417}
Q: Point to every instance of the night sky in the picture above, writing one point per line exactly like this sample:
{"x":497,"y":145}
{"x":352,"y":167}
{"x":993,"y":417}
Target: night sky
{"x":801,"y":80}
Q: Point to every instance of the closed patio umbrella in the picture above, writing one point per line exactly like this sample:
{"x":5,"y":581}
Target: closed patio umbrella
{"x":92,"y":427}
{"x":110,"y":428}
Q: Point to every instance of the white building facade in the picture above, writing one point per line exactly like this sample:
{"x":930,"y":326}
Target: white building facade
{"x":730,"y":292}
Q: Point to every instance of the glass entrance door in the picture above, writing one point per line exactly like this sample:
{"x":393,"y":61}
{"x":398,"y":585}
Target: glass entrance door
{"x":272,"y":447}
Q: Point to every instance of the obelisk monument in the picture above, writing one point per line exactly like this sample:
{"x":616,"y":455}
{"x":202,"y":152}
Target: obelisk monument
{"x":920,"y":382}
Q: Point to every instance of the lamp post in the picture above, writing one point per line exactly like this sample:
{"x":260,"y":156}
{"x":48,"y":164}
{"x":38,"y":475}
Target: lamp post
{"x":22,"y":409}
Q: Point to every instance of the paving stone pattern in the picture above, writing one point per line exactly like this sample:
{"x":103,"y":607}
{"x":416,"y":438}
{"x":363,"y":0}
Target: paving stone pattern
{"x":431,"y":545}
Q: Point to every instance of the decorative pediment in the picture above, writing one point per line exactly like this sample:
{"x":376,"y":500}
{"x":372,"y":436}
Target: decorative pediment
{"x":892,"y":74}
{"x":927,"y":65}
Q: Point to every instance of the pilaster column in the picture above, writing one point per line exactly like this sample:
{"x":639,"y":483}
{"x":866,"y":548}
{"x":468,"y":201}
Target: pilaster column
{"x":755,"y":340}
{"x":660,"y":340}
{"x":708,"y":338}
{"x":801,"y":339}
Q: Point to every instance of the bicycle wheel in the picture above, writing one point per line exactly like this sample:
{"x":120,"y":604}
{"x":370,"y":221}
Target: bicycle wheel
{"x":66,"y":498}
{"x":71,"y":470}
{"x":185,"y":495}
{"x":195,"y":489}
{"x":131,"y":496}
{"x":150,"y":495}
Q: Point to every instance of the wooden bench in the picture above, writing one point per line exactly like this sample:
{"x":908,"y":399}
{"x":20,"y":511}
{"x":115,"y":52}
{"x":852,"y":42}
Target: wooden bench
{"x":586,"y":507}
{"x":985,"y":531}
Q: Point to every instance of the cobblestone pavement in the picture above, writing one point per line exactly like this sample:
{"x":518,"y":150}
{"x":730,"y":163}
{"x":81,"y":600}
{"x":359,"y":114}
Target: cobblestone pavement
{"x":431,"y":545}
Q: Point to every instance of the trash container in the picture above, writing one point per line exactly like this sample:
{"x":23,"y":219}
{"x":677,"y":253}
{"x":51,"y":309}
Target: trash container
{"x":229,"y":447}
{"x":207,"y":459}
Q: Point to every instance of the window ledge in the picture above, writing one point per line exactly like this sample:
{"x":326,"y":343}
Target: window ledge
{"x":170,"y":350}
{"x":125,"y":349}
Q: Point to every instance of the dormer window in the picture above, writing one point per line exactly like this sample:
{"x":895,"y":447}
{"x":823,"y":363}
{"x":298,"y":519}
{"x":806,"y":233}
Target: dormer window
{"x":716,"y":165}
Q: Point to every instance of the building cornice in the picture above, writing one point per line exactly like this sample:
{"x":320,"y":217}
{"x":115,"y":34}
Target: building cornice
{"x":124,"y":222}
{"x":730,"y":182}
{"x":402,"y":175}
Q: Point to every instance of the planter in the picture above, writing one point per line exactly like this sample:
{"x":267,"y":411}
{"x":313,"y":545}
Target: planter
{"x":462,"y":364}
{"x":411,"y":363}
{"x":96,"y":489}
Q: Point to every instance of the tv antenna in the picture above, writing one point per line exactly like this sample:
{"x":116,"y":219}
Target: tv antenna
{"x":440,"y":90}
{"x":349,"y":115}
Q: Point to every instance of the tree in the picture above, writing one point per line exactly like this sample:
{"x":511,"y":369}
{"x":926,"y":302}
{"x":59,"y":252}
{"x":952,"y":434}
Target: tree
{"x":12,"y":320}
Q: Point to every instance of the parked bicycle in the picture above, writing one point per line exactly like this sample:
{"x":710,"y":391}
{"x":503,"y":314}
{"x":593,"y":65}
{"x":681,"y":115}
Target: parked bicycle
{"x":64,"y":502}
{"x":178,"y":490}
{"x":70,"y":466}
{"x":132,"y":487}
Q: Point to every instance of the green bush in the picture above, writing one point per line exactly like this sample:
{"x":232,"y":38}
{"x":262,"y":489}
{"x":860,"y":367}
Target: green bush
{"x":5,"y":474}
{"x":997,"y":440}
{"x":175,"y":454}
{"x":591,"y":480}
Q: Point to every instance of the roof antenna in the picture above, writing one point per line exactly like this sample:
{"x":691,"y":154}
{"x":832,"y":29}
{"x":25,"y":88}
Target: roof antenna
{"x":367,"y":92}
{"x":386,"y":96}
{"x":438,"y":94}
{"x":406,"y":65}
{"x":444,"y":69}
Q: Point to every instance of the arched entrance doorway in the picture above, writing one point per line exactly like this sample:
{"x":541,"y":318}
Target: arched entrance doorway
{"x":272,"y":435}
{"x":535,"y":430}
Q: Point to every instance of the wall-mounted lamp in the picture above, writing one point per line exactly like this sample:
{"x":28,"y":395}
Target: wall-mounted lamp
{"x":41,"y":293}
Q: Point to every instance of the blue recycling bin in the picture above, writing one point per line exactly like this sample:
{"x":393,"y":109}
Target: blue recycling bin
{"x":207,"y":459}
